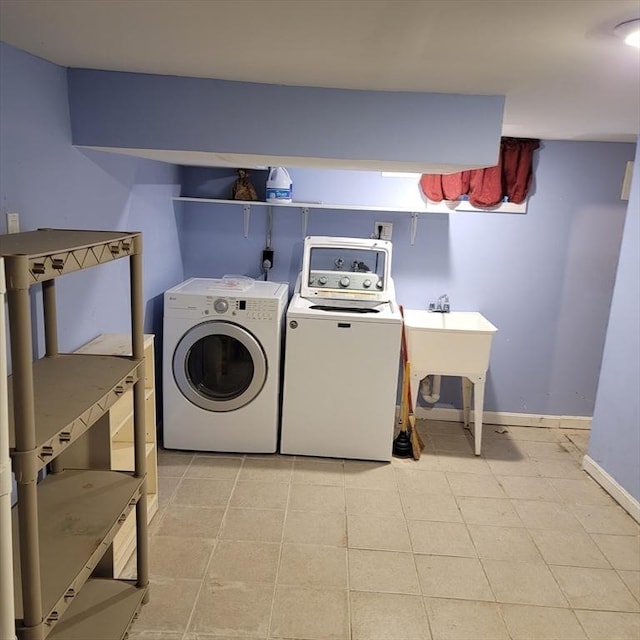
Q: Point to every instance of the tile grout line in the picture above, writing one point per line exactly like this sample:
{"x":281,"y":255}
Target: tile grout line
{"x":175,"y":489}
{"x":347,"y":556}
{"x":215,"y":545}
{"x":564,"y":502}
{"x":546,"y":564}
{"x":479,"y":558}
{"x":284,"y":521}
{"x":413,"y":554}
{"x":484,"y":571}
{"x":166,"y":506}
{"x":170,"y":502}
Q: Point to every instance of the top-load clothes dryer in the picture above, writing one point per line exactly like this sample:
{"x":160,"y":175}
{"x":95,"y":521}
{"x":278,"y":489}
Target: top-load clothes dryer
{"x":222,"y":363}
{"x":342,"y":352}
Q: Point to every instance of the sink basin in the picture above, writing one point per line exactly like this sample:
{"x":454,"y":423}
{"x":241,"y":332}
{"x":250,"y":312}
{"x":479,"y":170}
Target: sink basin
{"x":455,"y":343}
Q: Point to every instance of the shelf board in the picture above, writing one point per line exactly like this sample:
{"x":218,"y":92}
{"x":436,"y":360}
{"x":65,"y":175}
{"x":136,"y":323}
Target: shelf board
{"x":127,"y":420}
{"x":79,"y":514}
{"x":152,"y":505}
{"x":113,"y":344}
{"x":429,"y":207}
{"x":71,"y":392}
{"x":122,"y":454}
{"x":302,"y":205}
{"x":44,"y":242}
{"x":103,"y":610}
{"x":119,"y":344}
{"x":54,"y":252}
{"x":124,"y":544}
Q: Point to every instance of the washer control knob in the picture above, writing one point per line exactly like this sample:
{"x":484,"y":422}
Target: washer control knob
{"x":366,"y":284}
{"x":221,"y":305}
{"x":379,"y":284}
{"x":344,"y":282}
{"x":322,"y":280}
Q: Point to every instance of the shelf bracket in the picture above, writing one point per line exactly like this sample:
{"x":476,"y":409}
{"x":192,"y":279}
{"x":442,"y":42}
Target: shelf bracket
{"x":247,"y":215}
{"x":414,"y":227}
{"x":305,"y":221}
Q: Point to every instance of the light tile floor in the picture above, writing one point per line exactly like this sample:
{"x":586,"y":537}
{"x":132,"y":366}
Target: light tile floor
{"x":517,"y":544}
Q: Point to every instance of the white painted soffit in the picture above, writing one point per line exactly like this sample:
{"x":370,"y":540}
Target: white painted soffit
{"x":249,"y":161}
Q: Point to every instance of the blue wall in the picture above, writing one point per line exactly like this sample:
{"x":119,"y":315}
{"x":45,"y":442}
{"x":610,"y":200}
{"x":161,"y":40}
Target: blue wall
{"x":615,"y":435}
{"x":545,"y":279}
{"x":52,"y":184}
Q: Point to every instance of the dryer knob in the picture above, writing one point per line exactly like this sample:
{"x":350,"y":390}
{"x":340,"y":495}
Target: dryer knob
{"x":344,"y":282}
{"x":221,"y":305}
{"x":366,"y":284}
{"x":322,"y":280}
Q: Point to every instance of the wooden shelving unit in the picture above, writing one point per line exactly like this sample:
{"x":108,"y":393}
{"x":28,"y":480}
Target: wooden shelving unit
{"x":110,"y":444}
{"x":64,"y":526}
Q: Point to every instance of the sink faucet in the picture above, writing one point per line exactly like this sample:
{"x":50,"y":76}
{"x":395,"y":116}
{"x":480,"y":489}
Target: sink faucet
{"x":441,"y":305}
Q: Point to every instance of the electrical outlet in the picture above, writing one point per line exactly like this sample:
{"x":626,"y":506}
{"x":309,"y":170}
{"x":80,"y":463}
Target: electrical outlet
{"x":267,"y":259}
{"x":13,"y":223}
{"x":384,"y":229}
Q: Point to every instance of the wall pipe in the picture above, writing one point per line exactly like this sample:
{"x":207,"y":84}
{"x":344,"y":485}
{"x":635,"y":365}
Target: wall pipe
{"x":430,"y":389}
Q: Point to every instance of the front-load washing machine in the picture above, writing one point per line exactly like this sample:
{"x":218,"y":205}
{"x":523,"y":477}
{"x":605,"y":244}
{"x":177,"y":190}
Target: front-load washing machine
{"x":342,"y":352}
{"x":221,"y":364}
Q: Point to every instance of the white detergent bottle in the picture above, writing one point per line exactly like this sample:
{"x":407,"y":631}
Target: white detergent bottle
{"x":279,"y":185}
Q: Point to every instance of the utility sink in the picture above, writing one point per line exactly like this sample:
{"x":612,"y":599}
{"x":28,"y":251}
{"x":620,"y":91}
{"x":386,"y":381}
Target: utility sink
{"x":451,"y":344}
{"x":455,"y":343}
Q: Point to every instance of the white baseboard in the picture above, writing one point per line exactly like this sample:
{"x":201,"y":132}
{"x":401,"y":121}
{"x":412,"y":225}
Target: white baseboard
{"x":615,"y":490}
{"x":508,"y":419}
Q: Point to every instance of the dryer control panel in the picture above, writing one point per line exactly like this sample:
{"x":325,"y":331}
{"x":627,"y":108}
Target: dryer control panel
{"x":254,"y":308}
{"x":212,"y":307}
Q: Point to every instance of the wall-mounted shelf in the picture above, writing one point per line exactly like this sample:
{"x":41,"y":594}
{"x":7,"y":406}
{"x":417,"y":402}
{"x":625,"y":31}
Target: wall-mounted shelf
{"x":300,"y":205}
{"x":462,"y":206}
{"x":447,"y":207}
{"x":430,"y":207}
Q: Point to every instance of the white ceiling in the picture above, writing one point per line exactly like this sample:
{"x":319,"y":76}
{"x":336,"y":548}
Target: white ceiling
{"x":564,"y":73}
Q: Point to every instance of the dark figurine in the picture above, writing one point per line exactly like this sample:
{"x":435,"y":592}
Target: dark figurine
{"x":242,"y":188}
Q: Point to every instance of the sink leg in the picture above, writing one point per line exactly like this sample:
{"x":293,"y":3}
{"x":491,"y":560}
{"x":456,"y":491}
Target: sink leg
{"x":478,"y":403}
{"x":415,"y":379}
{"x":466,"y":401}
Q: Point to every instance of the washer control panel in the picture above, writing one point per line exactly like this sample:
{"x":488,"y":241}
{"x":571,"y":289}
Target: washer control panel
{"x":345,"y":280}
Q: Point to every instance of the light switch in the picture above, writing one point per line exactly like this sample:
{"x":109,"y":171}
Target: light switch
{"x":13,"y":223}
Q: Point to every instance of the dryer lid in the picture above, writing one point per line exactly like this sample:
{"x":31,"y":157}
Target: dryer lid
{"x":216,"y":286}
{"x":229,"y":286}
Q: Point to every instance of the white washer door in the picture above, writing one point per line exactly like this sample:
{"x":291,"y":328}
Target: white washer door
{"x":219,"y":366}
